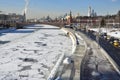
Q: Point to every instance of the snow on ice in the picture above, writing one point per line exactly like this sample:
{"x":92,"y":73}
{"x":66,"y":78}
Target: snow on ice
{"x":33,"y":56}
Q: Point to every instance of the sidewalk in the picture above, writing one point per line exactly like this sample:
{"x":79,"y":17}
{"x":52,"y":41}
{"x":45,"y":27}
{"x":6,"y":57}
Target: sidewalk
{"x":72,"y":72}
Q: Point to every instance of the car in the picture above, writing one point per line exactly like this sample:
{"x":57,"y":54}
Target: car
{"x":111,"y":40}
{"x":68,"y":26}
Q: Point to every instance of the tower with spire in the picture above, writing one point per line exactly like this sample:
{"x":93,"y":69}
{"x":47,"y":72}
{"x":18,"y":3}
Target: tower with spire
{"x":70,"y":17}
{"x":24,"y":17}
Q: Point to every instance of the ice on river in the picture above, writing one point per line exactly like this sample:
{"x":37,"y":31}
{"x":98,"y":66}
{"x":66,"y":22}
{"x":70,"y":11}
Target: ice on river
{"x":33,"y":57}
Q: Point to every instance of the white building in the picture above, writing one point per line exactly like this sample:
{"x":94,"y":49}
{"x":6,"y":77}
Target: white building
{"x":89,"y":11}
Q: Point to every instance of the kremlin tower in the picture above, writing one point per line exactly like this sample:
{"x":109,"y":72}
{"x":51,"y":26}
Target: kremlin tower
{"x":24,"y":17}
{"x":69,"y":18}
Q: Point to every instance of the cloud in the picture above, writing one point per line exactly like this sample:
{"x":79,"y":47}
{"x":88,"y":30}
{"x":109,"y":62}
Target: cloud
{"x":114,"y":0}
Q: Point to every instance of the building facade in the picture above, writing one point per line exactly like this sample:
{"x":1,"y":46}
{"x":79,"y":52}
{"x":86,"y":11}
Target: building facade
{"x":11,"y":19}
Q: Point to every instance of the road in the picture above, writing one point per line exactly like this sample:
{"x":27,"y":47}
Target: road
{"x":108,"y":47}
{"x":94,"y":66}
{"x":95,"y":62}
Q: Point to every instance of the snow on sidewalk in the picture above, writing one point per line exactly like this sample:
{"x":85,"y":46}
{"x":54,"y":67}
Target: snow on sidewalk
{"x":33,"y":57}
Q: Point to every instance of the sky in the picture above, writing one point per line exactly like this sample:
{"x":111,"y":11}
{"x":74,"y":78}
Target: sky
{"x":54,"y":8}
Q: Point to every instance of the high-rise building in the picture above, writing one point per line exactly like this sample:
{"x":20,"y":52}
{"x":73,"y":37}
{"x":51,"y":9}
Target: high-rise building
{"x":89,"y":11}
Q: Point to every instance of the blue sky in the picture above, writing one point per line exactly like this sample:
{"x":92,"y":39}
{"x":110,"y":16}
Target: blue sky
{"x":40,"y":8}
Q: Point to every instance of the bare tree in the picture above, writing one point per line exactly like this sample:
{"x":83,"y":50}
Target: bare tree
{"x":119,"y":17}
{"x":102,"y":23}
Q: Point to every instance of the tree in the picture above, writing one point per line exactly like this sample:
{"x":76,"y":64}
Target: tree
{"x":119,"y":12}
{"x":119,"y":17}
{"x":102,"y":22}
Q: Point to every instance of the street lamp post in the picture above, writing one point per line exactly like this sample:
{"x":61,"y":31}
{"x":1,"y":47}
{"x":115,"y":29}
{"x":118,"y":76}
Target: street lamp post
{"x":107,"y":22}
{"x":98,"y":35}
{"x":119,"y":18}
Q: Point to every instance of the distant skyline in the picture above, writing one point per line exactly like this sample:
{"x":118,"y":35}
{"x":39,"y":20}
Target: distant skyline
{"x":54,"y":8}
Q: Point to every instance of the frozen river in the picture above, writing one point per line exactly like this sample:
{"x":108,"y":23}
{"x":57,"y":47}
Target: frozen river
{"x":30,"y":54}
